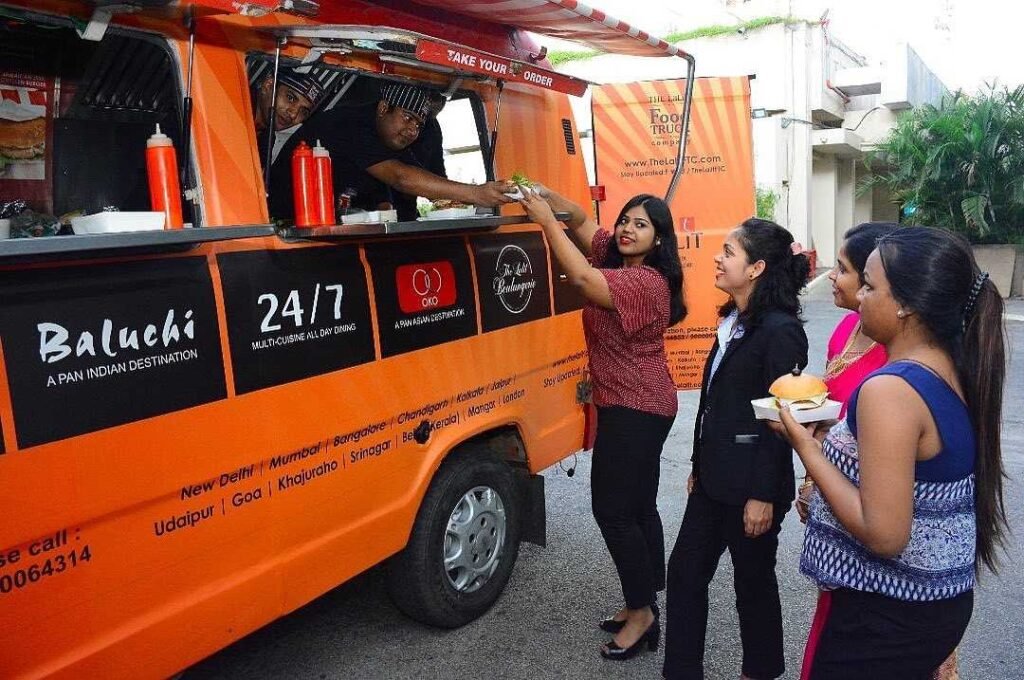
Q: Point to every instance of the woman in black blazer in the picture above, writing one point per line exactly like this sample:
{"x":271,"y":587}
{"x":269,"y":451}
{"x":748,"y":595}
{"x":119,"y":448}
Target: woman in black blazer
{"x":742,"y":481}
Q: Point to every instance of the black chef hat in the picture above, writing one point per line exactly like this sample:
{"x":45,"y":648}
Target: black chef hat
{"x":303,"y":83}
{"x":409,"y":97}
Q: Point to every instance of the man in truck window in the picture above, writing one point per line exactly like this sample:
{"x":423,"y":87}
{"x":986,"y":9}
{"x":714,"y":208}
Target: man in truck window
{"x":374,"y":154}
{"x":297,"y":97}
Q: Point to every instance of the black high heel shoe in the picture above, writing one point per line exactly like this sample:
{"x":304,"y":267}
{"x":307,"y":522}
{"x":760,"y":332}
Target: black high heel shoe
{"x":613,"y":626}
{"x":613,"y":652}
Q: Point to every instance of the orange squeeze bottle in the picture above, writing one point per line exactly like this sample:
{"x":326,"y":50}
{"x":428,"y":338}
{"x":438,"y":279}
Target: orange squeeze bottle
{"x":304,"y":186}
{"x":164,"y":188}
{"x":324,"y":185}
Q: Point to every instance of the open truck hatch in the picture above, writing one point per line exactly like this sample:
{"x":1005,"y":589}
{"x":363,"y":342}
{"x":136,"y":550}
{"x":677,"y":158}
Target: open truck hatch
{"x":409,"y":48}
{"x":565,"y":20}
{"x":574,"y":21}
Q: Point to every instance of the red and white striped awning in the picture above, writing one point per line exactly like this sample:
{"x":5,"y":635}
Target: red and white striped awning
{"x":248,"y":7}
{"x":566,"y":20}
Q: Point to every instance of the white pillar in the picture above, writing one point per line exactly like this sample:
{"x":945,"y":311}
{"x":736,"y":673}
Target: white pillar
{"x":823,"y":209}
{"x":845,"y":189}
{"x":798,"y":136}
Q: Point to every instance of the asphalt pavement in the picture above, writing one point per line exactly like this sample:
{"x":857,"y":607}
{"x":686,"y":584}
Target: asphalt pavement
{"x":544,"y":626}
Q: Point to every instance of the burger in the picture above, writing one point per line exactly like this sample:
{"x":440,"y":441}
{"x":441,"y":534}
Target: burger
{"x":799,"y":390}
{"x":448,"y":204}
{"x":22,"y":140}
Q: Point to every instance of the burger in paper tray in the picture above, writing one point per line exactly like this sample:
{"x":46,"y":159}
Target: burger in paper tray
{"x":522,"y":183}
{"x":22,"y":140}
{"x":805,"y":394}
{"x":446,"y":209}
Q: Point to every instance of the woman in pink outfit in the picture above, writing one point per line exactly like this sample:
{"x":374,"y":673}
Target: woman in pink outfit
{"x":852,"y":356}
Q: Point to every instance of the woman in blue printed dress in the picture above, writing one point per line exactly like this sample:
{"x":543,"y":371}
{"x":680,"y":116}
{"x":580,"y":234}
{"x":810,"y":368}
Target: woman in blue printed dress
{"x":909,"y":500}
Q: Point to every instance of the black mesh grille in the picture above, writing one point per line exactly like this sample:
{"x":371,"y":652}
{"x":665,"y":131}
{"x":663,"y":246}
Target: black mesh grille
{"x":570,"y":143}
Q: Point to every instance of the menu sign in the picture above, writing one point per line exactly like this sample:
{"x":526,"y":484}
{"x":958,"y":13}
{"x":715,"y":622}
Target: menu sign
{"x":293,"y":314}
{"x":514,"y":284}
{"x":424,"y":294}
{"x":509,"y":70}
{"x":86,"y":347}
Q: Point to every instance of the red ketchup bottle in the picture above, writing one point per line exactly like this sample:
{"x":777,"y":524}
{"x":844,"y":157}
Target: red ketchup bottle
{"x":324,"y":185}
{"x":304,"y":186}
{"x":162,"y":169}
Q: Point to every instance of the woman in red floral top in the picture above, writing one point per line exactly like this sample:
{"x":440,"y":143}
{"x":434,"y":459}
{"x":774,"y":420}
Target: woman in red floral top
{"x":634,"y":292}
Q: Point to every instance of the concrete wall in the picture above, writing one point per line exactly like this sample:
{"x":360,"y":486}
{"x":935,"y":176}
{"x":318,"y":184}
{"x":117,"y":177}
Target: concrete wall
{"x":884,"y":209}
{"x":863,"y":203}
{"x":1000,"y":262}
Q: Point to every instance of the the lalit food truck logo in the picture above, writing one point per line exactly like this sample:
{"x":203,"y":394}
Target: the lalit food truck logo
{"x":427,"y":286}
{"x":513,"y":279}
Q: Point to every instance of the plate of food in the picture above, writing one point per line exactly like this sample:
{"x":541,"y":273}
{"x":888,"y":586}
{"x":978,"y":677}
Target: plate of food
{"x":447,"y":209}
{"x":805,"y":394}
{"x":522,"y":183}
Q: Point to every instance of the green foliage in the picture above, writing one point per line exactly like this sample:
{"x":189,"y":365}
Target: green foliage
{"x":960,"y":165}
{"x":766,"y":200}
{"x":562,"y":56}
{"x":726,"y":29}
{"x":557,"y":57}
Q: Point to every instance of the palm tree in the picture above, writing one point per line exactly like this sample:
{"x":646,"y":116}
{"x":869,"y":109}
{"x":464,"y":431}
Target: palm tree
{"x":959,"y":165}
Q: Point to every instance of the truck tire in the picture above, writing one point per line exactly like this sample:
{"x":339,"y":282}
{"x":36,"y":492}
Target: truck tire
{"x":464,"y":543}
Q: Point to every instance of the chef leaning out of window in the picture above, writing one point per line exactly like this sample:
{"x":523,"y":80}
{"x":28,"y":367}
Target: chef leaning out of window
{"x":385,"y":152}
{"x":298,"y":95}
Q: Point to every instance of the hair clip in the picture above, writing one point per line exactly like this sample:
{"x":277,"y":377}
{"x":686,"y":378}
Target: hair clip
{"x":972,"y":297}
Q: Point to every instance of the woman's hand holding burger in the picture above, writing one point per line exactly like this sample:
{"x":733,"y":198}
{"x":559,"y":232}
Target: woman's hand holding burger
{"x":537,"y":209}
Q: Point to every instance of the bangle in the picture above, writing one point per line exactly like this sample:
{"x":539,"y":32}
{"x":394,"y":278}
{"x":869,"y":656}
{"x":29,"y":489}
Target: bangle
{"x":808,"y":484}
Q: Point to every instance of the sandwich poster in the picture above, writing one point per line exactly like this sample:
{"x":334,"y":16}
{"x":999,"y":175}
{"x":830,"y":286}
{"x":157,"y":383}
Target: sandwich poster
{"x":23,"y":116}
{"x":26,"y":109}
{"x":636,"y":139}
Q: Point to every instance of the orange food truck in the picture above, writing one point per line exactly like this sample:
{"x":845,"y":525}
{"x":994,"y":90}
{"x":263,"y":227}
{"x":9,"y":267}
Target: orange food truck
{"x":204,"y":428}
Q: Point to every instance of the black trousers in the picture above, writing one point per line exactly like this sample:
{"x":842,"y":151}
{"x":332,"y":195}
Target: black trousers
{"x":868,"y":635}
{"x":708,"y":529}
{"x":624,"y":496}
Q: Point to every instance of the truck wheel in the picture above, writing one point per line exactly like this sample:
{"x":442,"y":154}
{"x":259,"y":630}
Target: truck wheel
{"x":463,"y":546}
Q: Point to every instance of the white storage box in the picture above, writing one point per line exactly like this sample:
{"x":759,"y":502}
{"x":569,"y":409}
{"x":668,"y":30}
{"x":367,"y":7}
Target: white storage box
{"x":765,"y":409}
{"x":117,"y":222}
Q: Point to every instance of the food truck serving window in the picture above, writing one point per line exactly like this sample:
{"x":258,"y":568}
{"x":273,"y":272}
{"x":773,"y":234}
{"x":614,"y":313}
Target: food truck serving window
{"x":341,"y":110}
{"x":75,"y":116}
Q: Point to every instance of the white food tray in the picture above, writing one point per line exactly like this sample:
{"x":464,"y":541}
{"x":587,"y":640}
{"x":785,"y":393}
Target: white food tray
{"x":370,"y":217}
{"x":450,"y":213}
{"x":764,"y":409}
{"x":117,"y":222}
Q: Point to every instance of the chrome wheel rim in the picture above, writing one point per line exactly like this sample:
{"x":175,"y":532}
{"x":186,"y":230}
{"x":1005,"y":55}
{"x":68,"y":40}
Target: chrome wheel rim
{"x":474,"y":539}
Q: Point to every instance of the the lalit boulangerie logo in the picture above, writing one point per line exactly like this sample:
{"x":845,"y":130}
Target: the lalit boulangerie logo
{"x":513,"y":279}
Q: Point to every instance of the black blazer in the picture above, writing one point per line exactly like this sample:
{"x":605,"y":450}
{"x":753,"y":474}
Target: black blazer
{"x":736,"y":457}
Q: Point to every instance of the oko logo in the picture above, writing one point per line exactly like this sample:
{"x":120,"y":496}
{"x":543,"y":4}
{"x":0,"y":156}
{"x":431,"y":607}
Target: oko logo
{"x":513,"y":279}
{"x":423,"y":287}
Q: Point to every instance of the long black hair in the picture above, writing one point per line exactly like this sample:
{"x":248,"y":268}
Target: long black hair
{"x":933,"y":273}
{"x":664,"y":257}
{"x":785,"y":274}
{"x":859,"y":241}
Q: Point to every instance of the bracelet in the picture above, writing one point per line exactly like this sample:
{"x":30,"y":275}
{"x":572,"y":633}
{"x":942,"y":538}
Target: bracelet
{"x":808,"y":484}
